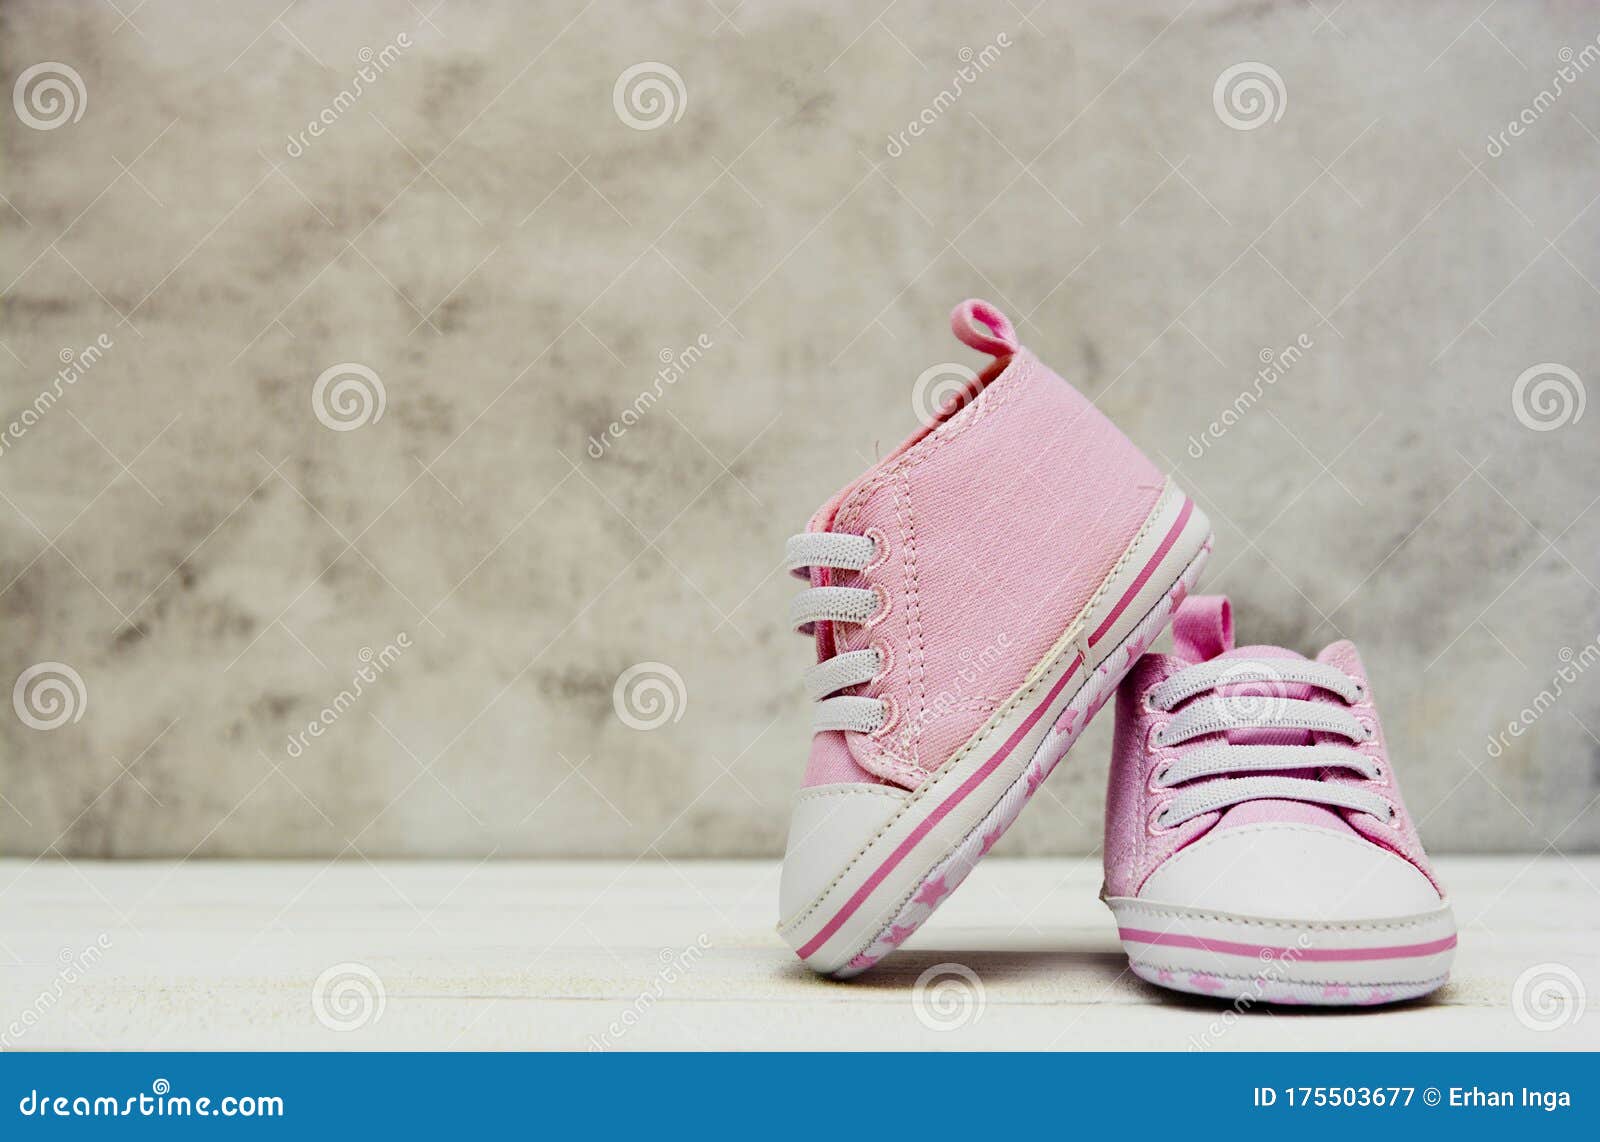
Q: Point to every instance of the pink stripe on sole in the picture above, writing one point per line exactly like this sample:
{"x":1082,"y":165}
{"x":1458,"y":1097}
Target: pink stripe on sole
{"x":1144,"y":576}
{"x":1314,"y":955}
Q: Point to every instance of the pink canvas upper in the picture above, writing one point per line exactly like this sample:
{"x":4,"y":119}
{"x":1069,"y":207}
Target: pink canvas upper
{"x":1203,"y":631}
{"x":995,"y":523}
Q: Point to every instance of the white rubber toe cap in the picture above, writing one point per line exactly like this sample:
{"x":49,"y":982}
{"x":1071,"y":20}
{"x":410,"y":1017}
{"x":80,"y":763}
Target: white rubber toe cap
{"x":1291,"y":871}
{"x":830,"y":825}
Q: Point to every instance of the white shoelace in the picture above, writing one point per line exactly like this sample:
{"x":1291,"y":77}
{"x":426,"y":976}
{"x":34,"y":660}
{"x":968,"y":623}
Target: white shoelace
{"x":839,"y":605}
{"x":1206,"y":765}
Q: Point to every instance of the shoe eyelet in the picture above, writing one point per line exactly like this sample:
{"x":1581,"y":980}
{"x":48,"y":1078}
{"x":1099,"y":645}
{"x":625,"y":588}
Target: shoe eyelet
{"x":1157,"y":739}
{"x":885,"y":660}
{"x":880,"y":549}
{"x":1361,"y":692}
{"x":1154,"y":823}
{"x":1158,"y":779}
{"x":891,"y":717}
{"x":882,"y":612}
{"x":1148,"y":701}
{"x":1394,"y":816}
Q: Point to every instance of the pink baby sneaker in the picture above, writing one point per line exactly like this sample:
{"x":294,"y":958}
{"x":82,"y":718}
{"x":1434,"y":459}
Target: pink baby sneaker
{"x":974,"y":599}
{"x":1256,"y":842}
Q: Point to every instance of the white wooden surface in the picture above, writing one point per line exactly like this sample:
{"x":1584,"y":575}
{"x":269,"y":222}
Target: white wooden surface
{"x":682,"y":955}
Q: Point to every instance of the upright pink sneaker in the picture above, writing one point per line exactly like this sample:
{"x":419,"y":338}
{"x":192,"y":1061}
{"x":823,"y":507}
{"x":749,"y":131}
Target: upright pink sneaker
{"x":1256,"y":842}
{"x":975,"y":598}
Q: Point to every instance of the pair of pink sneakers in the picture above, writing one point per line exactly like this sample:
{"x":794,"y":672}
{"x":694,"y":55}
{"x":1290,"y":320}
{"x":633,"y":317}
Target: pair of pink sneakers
{"x":975,"y":598}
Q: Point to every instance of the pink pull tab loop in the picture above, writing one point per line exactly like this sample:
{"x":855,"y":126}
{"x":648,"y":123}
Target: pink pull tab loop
{"x":985,"y":328}
{"x":1202,"y":628}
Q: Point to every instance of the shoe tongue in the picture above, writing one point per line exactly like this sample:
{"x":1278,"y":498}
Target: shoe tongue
{"x":1262,"y":651}
{"x":1274,"y":812}
{"x":1202,"y":631}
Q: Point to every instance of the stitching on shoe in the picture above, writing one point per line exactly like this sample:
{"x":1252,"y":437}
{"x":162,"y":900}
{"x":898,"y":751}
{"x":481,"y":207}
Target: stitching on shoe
{"x":893,"y":766}
{"x":818,"y":793}
{"x":917,"y":676}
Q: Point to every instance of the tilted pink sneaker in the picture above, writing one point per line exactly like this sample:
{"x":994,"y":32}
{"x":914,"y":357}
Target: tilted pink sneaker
{"x":1256,"y":842}
{"x":975,"y":598}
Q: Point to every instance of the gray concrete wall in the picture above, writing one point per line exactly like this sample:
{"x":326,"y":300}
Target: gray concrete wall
{"x":479,"y":227}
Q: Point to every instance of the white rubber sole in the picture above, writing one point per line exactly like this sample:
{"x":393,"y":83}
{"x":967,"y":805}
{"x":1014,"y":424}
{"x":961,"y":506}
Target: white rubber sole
{"x":1332,"y":963}
{"x":889,"y":886}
